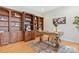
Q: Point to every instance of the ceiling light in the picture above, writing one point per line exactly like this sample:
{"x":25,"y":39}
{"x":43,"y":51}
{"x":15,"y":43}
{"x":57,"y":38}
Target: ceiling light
{"x":42,"y":9}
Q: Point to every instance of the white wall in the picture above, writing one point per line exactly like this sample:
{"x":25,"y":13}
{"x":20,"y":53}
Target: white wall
{"x":70,"y":32}
{"x":25,"y":9}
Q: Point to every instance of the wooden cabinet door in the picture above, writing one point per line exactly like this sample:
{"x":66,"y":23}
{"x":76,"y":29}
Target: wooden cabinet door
{"x":27,"y":36}
{"x":13,"y":37}
{"x":4,"y":38}
{"x":33,"y":35}
{"x":20,"y":35}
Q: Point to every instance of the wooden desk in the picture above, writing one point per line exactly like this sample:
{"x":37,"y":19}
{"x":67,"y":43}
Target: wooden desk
{"x":52,"y":35}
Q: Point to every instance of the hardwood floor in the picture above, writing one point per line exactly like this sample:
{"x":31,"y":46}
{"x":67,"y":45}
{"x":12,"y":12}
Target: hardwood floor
{"x":19,"y":47}
{"x":23,"y":47}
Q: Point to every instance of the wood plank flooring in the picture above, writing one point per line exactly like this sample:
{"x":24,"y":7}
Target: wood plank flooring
{"x":23,"y":47}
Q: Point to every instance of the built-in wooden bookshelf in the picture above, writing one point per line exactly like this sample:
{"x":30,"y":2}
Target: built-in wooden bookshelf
{"x":3,"y":23}
{"x":3,"y":20}
{"x":17,"y":26}
{"x":38,"y":23}
{"x":4,"y":26}
{"x":27,"y":26}
{"x":15,"y":21}
{"x":35,"y":23}
{"x":28,"y":23}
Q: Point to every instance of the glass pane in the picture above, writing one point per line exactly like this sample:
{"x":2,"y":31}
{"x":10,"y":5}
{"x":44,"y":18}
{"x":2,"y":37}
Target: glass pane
{"x":5,"y":18}
{"x":14,"y":24}
{"x":14,"y":28}
{"x":15,"y":19}
{"x":3,"y":29}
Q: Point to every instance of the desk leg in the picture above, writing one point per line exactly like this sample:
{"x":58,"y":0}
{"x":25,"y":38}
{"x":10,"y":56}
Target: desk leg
{"x":48,"y":38}
{"x":40,"y":38}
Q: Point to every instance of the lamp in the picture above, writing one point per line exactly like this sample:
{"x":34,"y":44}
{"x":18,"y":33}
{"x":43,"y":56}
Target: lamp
{"x":56,"y":25}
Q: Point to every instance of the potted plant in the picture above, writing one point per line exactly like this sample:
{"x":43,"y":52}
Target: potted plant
{"x":76,"y":22}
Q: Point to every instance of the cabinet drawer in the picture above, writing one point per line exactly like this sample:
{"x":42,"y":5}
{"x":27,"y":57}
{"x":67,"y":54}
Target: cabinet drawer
{"x":13,"y":37}
{"x":27,"y":36}
{"x":20,"y":36}
{"x":4,"y":37}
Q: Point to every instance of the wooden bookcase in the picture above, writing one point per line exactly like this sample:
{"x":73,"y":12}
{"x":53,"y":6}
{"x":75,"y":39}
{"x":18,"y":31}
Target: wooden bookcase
{"x":3,"y":23}
{"x":4,"y":26}
{"x":28,"y":22}
{"x":4,"y":20}
{"x":38,"y":23}
{"x":15,"y":21}
{"x":17,"y":26}
{"x":35,"y":23}
{"x":27,"y":26}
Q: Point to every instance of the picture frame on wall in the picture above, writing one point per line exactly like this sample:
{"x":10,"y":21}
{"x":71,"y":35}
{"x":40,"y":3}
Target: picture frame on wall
{"x":61,"y":20}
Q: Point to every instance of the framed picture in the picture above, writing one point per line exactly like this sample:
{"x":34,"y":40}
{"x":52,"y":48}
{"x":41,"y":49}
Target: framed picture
{"x":61,"y":20}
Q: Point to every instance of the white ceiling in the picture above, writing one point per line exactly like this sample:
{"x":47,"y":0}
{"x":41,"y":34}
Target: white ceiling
{"x":42,"y":9}
{"x":39,"y":9}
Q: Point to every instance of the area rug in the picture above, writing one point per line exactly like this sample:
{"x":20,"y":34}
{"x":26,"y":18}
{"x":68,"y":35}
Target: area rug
{"x":41,"y":47}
